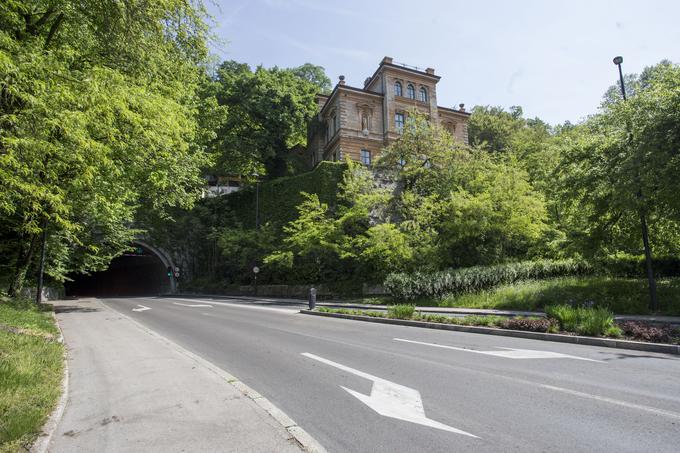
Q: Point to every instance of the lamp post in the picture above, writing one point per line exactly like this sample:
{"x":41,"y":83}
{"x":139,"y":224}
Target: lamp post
{"x":643,"y":218}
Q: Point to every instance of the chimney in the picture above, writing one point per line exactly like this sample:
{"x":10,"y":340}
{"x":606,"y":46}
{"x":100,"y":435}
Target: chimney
{"x":342,"y":80}
{"x":461,"y":107}
{"x":386,"y":60}
{"x":430,"y":71}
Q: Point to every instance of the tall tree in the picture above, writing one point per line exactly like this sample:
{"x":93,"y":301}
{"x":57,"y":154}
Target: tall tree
{"x":97,"y":115}
{"x":267,"y":111}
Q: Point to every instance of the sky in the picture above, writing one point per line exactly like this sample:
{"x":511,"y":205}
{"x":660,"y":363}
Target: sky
{"x":552,"y":58}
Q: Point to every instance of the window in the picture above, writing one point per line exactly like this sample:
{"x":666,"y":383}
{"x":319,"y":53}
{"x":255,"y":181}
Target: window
{"x":410,"y":91}
{"x":399,"y":121}
{"x":423,"y":95}
{"x":397,"y":89}
{"x":365,"y":157}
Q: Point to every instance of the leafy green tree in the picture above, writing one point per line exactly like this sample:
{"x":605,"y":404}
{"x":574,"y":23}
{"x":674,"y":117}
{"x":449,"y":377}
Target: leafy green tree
{"x":316,"y":75}
{"x":622,"y":165}
{"x":267,"y":111}
{"x":97,"y":115}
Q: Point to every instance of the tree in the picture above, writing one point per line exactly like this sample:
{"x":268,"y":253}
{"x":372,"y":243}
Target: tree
{"x":97,"y":106}
{"x":621,"y":166}
{"x":316,"y":75}
{"x":267,"y":111}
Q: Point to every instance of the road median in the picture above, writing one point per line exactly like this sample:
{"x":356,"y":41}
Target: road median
{"x":561,"y":338}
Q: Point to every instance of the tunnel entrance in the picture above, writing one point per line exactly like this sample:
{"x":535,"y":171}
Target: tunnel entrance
{"x":139,"y":273}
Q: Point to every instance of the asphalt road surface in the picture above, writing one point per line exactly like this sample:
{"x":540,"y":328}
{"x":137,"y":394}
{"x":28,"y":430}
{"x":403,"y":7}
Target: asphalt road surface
{"x":365,"y":387}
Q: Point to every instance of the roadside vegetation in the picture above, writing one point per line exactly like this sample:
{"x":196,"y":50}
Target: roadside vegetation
{"x":31,"y":369}
{"x":619,"y":295}
{"x":564,"y":319}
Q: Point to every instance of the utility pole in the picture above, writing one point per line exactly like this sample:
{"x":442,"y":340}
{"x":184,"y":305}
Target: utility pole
{"x":653,"y":302}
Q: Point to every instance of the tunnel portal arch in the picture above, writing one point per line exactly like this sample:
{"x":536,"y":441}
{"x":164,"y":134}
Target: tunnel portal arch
{"x":165,"y":258}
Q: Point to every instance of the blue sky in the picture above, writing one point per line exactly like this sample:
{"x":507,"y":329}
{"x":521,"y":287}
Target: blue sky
{"x":552,"y":58}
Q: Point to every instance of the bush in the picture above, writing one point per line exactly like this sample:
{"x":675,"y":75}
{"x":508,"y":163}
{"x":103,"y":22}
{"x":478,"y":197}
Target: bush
{"x":583,"y":320}
{"x":643,"y":331}
{"x":471,"y":279}
{"x":530,"y":324}
{"x":401,"y":311}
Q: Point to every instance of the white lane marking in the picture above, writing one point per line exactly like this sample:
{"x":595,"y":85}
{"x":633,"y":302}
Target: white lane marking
{"x":193,"y":305}
{"x":391,"y":400}
{"x":604,"y":399}
{"x":510,"y":353}
{"x":251,"y":307}
{"x":141,"y":308}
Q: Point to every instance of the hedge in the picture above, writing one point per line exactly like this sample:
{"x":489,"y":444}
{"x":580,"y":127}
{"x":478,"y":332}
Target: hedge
{"x":472,"y":279}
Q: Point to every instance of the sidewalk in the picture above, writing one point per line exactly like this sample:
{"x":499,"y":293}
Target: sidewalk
{"x":132,"y":390}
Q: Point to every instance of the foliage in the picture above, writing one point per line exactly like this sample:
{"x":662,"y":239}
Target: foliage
{"x":314,"y":74}
{"x":620,"y":295}
{"x":477,"y":278}
{"x":583,"y":320}
{"x":530,"y":324}
{"x":30,"y":373}
{"x":97,"y":109}
{"x":265,"y":113}
{"x":644,"y":331}
{"x":618,"y":166}
{"x":400,"y":311}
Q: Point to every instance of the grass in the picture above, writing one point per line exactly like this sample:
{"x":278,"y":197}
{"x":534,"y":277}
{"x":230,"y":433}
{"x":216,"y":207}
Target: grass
{"x":400,"y":311}
{"x":584,"y":320}
{"x":30,"y":373}
{"x":620,"y":295}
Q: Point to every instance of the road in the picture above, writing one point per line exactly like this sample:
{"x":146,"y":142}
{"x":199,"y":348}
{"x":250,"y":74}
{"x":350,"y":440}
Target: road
{"x":365,"y":387}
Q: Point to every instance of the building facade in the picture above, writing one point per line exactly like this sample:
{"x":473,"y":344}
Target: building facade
{"x":358,"y":122}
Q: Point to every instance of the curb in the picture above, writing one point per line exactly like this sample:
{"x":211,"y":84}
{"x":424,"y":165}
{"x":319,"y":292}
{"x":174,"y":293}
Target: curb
{"x":560,"y":338}
{"x":50,"y":427}
{"x":303,"y":439}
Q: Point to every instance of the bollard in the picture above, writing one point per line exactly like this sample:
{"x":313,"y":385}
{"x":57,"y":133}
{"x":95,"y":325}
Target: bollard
{"x":312,"y":298}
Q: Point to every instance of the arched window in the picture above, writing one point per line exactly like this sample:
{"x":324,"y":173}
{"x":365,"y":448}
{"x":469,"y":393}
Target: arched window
{"x":397,"y":89}
{"x":423,"y":95}
{"x":410,"y":91}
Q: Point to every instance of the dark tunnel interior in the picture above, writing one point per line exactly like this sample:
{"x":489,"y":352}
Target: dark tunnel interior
{"x":140,"y":273}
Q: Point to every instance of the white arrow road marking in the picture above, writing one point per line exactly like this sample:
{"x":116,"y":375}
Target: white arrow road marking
{"x":193,"y":305}
{"x":509,"y":353}
{"x":141,"y":308}
{"x":390,"y":399}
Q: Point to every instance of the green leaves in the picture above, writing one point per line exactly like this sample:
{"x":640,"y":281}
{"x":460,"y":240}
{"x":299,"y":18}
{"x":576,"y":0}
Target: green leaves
{"x":267,"y":111}
{"x":97,"y":108}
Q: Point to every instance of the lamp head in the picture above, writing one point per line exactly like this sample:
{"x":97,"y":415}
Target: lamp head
{"x":618,"y":60}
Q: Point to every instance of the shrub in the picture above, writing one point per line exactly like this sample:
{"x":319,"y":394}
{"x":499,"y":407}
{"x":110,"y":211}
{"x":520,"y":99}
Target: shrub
{"x":643,"y":331}
{"x":530,"y":324}
{"x":401,"y":311}
{"x":471,"y":279}
{"x":582,"y":320}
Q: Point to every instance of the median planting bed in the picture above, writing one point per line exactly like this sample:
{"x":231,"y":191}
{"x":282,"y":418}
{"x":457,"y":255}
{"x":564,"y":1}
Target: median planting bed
{"x":31,"y":367}
{"x":562,"y":319}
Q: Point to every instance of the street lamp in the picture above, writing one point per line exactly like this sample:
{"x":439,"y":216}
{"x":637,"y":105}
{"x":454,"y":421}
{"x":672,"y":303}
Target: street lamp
{"x":643,"y":218}
{"x":617,"y":62}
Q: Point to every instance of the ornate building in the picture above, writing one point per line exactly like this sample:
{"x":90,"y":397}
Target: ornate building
{"x":358,"y":122}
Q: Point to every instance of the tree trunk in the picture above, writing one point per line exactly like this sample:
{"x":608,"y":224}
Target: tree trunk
{"x":24,"y":258}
